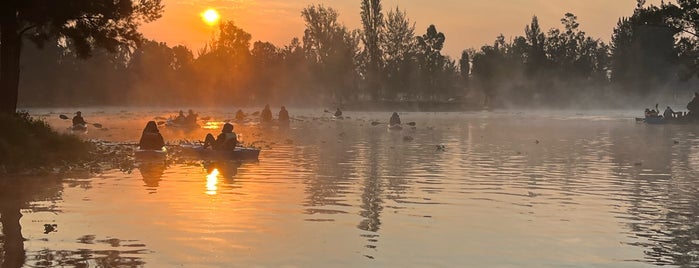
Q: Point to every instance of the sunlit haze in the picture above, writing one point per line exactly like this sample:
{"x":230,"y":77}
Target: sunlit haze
{"x":466,"y":24}
{"x":210,"y":16}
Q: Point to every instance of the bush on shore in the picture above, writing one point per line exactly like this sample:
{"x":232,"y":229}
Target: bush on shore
{"x":28,"y":144}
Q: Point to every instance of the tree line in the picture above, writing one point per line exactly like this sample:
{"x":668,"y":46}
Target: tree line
{"x":653,"y":54}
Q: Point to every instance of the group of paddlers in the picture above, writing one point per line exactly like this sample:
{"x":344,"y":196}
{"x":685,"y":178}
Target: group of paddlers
{"x":669,"y":114}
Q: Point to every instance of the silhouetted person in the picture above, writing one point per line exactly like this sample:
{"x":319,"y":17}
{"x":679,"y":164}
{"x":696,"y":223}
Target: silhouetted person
{"x":395,"y":119}
{"x":693,"y":106}
{"x":668,"y":113}
{"x":151,"y":138}
{"x":283,"y":115}
{"x":78,"y":120}
{"x":646,"y":113}
{"x":338,"y":113}
{"x":227,"y":140}
{"x":191,"y":117}
{"x":266,"y":115}
{"x":239,"y":115}
{"x":180,"y":119}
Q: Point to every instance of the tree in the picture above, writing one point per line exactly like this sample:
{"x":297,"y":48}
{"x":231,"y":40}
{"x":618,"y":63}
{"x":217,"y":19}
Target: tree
{"x":430,"y":57}
{"x":86,"y":23}
{"x":398,"y":46}
{"x":332,"y":51}
{"x":465,"y":66}
{"x":373,"y":24}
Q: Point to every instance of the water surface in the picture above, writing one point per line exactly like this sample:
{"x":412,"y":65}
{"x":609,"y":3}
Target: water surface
{"x":482,"y":189}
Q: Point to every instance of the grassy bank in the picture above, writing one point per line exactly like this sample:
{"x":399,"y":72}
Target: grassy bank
{"x":28,"y":144}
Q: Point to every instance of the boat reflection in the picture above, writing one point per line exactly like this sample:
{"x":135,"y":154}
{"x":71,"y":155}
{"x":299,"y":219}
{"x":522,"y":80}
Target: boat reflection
{"x":152,"y":173}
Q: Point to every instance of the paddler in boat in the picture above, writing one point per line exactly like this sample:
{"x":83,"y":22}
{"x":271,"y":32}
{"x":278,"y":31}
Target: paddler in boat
{"x":283,"y":115}
{"x":78,"y":120}
{"x":266,"y":115}
{"x":227,"y":140}
{"x":180,"y":119}
{"x":395,"y":119}
{"x":151,"y":138}
{"x":239,"y":115}
{"x":669,"y":113}
{"x":338,"y":113}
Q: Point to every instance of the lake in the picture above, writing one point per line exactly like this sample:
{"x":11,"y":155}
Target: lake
{"x":476,"y":189}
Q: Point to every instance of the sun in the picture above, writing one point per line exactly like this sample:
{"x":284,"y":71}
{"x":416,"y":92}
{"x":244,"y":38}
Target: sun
{"x":210,"y":16}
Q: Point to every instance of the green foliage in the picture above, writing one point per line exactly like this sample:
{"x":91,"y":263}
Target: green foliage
{"x":27,"y":143}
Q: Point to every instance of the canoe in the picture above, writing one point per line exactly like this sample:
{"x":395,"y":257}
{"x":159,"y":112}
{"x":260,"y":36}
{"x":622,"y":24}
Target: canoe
{"x":395,"y":127}
{"x":148,"y":154}
{"x":239,"y":153}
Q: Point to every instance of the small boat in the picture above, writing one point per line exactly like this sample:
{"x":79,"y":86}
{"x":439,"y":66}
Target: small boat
{"x":173,"y":124}
{"x":239,"y":153}
{"x":78,"y":128}
{"x":150,"y":154}
{"x":395,"y":127}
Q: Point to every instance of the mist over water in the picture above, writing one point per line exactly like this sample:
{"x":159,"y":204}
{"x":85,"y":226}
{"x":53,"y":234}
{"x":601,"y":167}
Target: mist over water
{"x":479,"y":189}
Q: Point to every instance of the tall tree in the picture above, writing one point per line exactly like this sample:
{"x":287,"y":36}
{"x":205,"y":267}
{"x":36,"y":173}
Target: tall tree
{"x":373,"y":24}
{"x":465,"y":66}
{"x":398,"y":47}
{"x":431,"y":60}
{"x":332,"y":51}
{"x":87,"y":23}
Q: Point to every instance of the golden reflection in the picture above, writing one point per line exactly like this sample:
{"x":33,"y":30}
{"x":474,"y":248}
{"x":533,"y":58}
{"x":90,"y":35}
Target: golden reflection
{"x":211,"y":182}
{"x":213,"y":125}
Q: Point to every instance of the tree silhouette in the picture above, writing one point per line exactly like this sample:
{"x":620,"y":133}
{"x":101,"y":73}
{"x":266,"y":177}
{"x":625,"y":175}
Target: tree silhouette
{"x":86,"y":23}
{"x":373,"y":24}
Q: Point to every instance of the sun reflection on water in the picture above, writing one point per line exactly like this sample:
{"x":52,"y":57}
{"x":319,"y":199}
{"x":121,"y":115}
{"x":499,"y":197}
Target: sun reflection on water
{"x":211,"y":182}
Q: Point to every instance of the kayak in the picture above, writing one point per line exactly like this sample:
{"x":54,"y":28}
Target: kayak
{"x":239,"y":153}
{"x":78,"y":128}
{"x":395,"y":127}
{"x":147,"y":154}
{"x":173,"y":124}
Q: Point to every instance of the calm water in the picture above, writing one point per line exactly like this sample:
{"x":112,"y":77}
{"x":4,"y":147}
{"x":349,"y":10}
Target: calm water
{"x":531,"y":189}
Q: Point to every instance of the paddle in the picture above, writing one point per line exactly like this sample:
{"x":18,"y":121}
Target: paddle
{"x":412,"y":124}
{"x":97,"y":125}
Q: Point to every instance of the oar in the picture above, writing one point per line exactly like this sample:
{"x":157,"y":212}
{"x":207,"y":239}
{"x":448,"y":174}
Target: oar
{"x":97,"y":125}
{"x":412,"y":124}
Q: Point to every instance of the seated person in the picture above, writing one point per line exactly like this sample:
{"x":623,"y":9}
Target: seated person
{"x":151,"y":138}
{"x":395,"y":119}
{"x":78,"y":119}
{"x":180,"y":119}
{"x":668,"y":113}
{"x":239,"y":115}
{"x":338,"y":113}
{"x":283,"y":115}
{"x":227,"y":140}
{"x":266,"y":115}
{"x":191,"y":117}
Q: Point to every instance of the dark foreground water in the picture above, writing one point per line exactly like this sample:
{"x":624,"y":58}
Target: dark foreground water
{"x":492,"y":189}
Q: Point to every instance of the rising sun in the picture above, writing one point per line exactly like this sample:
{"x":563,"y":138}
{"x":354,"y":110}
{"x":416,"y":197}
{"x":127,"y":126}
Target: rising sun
{"x":210,"y":16}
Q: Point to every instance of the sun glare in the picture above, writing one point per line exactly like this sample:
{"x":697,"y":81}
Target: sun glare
{"x":210,"y":16}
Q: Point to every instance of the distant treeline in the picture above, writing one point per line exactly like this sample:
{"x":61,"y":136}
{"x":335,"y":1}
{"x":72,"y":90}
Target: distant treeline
{"x":653,"y":55}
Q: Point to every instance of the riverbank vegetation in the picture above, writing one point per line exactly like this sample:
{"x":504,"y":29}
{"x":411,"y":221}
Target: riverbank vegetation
{"x":651,"y":56}
{"x":30,"y":144}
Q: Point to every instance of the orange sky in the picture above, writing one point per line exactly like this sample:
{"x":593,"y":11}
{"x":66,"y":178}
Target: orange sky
{"x":466,"y":23}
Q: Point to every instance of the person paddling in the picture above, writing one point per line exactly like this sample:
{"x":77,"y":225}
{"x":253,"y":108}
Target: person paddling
{"x":395,"y":119}
{"x":283,"y":115}
{"x":227,"y":140}
{"x":240,"y":115}
{"x":78,"y":120}
{"x":151,"y":138}
{"x":266,"y":115}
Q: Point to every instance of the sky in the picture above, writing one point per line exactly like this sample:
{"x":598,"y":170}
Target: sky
{"x":466,"y":23}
